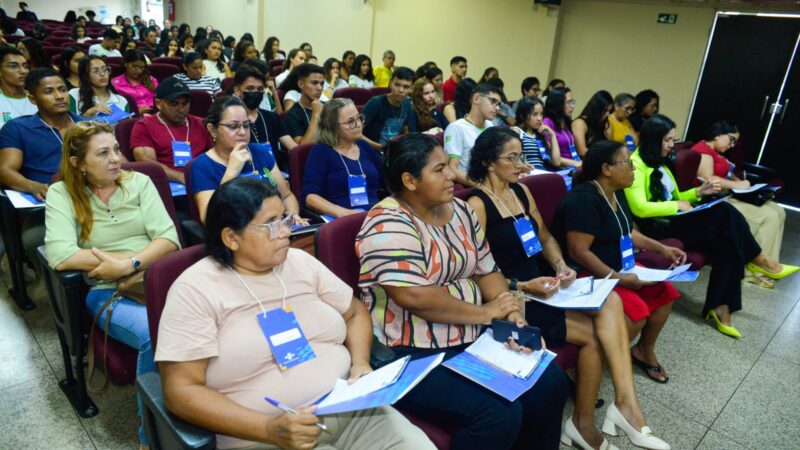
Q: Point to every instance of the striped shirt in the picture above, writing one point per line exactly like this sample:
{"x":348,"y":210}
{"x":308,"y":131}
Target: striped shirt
{"x":532,"y":152}
{"x":204,"y":83}
{"x":396,"y":248}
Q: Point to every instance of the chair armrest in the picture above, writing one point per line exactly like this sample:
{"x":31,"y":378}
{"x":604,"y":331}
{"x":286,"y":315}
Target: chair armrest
{"x":163,"y":429}
{"x":381,"y":354}
{"x":763,"y":173}
{"x":67,"y":292}
{"x":193,"y":232}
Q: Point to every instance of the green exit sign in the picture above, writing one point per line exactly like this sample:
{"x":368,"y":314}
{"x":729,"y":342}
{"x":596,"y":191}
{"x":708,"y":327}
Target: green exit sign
{"x":670,"y":19}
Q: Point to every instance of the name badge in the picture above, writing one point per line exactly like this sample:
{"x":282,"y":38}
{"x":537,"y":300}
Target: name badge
{"x":574,"y":153}
{"x":542,"y":150}
{"x":629,"y":142}
{"x":181,"y":153}
{"x":527,"y":236}
{"x":357,"y":186}
{"x":265,"y":147}
{"x":285,"y":338}
{"x":730,"y":170}
{"x":626,"y":249}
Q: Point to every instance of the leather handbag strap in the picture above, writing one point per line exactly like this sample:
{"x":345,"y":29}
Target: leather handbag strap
{"x":108,"y":307}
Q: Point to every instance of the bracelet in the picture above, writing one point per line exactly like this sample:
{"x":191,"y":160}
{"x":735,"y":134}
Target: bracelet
{"x":513,"y":284}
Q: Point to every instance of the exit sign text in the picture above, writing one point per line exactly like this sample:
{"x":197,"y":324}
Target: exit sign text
{"x":670,"y":19}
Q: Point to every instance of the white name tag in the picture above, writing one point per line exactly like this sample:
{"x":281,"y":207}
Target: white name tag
{"x":358,"y":190}
{"x":284,"y":337}
{"x":627,"y":253}
{"x":527,"y":236}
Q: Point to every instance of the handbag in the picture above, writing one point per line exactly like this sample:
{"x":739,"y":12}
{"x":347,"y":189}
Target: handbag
{"x":757,"y":197}
{"x":130,"y":287}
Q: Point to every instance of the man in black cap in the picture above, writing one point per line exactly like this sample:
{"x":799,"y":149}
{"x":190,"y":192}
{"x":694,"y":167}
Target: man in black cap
{"x":172,"y":136}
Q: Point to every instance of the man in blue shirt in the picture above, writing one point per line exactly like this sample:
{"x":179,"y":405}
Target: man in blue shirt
{"x":387,"y":115}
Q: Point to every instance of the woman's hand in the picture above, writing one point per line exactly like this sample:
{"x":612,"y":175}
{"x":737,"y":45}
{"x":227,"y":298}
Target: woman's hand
{"x":675,"y":255}
{"x":357,"y":370}
{"x":294,"y":431}
{"x":544,"y":130}
{"x":683,"y":205}
{"x":632,"y":282}
{"x":237,"y":159}
{"x":542,"y":287}
{"x":300,"y":220}
{"x":709,"y":187}
{"x":111,"y":268}
{"x":566,"y":275}
{"x":501,"y":307}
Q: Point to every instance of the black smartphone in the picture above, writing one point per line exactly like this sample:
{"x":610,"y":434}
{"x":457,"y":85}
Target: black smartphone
{"x":527,"y":336}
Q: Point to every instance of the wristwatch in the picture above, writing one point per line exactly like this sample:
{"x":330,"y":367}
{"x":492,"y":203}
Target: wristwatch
{"x":513,"y":285}
{"x":137,"y":265}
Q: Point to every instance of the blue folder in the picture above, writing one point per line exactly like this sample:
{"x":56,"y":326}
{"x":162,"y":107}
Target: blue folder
{"x":501,"y":383}
{"x":177,"y":189}
{"x":115,"y":116}
{"x":702,"y":206}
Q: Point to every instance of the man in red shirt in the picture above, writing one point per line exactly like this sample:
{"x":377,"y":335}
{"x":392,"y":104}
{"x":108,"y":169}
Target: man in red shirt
{"x":172,"y":136}
{"x":458,"y":66}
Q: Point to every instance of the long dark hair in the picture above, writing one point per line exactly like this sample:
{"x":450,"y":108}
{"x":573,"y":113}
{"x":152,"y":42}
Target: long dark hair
{"x":718,"y":129}
{"x":525,"y":108}
{"x":599,"y":153}
{"x":409,"y":154}
{"x":643,"y":98}
{"x":86,"y":91}
{"x":39,"y":58}
{"x":593,"y":113}
{"x":487,"y":150}
{"x":554,"y":109}
{"x":462,"y":101}
{"x":66,"y":59}
{"x":133,"y":55}
{"x":425,"y":120}
{"x":356,"y":69}
{"x":267,"y":50}
{"x":651,"y":138}
{"x":202,"y":49}
{"x":240,"y":49}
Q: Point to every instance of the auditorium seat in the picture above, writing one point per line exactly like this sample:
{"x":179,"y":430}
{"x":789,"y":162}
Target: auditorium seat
{"x":359,"y":96}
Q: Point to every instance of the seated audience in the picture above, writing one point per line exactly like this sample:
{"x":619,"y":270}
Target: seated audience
{"x":306,"y":48}
{"x":244,"y":50}
{"x":151,"y":41}
{"x":558,"y":110}
{"x":172,"y":49}
{"x":424,"y":116}
{"x":500,"y":204}
{"x":272,"y":49}
{"x":333,"y":80}
{"x":172,"y":136}
{"x":208,"y":377}
{"x":39,"y":31}
{"x":136,"y":81}
{"x":386,"y":115}
{"x":420,"y":308}
{"x":14,"y":102}
{"x":462,"y":103}
{"x":361,"y":76}
{"x":646,"y":105}
{"x":95,"y":96}
{"x":505,"y":115}
{"x":301,"y":120}
{"x":26,"y":14}
{"x":270,"y":101}
{"x":458,"y":71}
{"x":348,"y":58}
{"x":211,"y":52}
{"x":592,"y":124}
{"x":68,"y":68}
{"x":530,"y":115}
{"x":109,"y":46}
{"x":187,"y":43}
{"x":230,"y":157}
{"x":530,"y":88}
{"x":555,"y":83}
{"x":654,"y":198}
{"x":292,"y":91}
{"x":193,"y":75}
{"x":490,"y":72}
{"x":434,"y":75}
{"x":111,"y":224}
{"x":78,"y":34}
{"x":229,"y":45}
{"x":343,"y":172}
{"x":383,"y":74}
{"x":620,"y":128}
{"x":459,"y":137}
{"x":766,"y":221}
{"x":295,"y":58}
{"x":32,"y":50}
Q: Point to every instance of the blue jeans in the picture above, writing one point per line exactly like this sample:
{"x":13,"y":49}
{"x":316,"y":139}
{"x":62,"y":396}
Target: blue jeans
{"x":129,"y":326}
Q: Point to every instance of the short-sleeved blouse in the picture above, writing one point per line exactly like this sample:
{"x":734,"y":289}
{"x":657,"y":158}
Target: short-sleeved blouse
{"x":396,"y":248}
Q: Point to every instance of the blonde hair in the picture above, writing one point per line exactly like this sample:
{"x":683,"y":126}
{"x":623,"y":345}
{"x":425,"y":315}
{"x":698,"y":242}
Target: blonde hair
{"x":328,"y":127}
{"x":76,"y":143}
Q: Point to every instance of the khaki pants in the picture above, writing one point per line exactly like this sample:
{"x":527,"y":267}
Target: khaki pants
{"x":371,"y":429}
{"x":766,"y":224}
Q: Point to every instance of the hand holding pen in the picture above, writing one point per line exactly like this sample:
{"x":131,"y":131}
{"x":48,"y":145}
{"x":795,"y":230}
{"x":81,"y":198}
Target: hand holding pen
{"x":296,"y":428}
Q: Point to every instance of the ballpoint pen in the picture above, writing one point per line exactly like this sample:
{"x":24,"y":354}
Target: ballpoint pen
{"x":289,"y":410}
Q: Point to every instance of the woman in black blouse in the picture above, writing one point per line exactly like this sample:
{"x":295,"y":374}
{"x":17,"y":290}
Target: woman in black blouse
{"x":505,"y":209}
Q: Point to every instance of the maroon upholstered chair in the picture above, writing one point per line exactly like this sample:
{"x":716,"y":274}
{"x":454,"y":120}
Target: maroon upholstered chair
{"x":359,"y":96}
{"x":686,"y":164}
{"x":376,"y":91}
{"x":297,"y":166}
{"x":194,"y":213}
{"x":113,"y":60}
{"x":123,"y":132}
{"x":132,"y":106}
{"x":201,"y":102}
{"x":273,"y":63}
{"x":227,"y":85}
{"x":162,"y":71}
{"x":173,"y":60}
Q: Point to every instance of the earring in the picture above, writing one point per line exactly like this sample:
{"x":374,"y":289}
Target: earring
{"x":83,"y":172}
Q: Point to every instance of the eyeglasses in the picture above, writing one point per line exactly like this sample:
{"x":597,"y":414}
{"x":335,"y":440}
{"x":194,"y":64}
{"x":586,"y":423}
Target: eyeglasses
{"x":514,"y":159}
{"x":233,"y":126}
{"x":570,"y":102}
{"x":355,"y":121}
{"x":624,"y":162}
{"x":494,"y":101}
{"x":276,"y":226}
{"x":17,"y":66}
{"x":733,"y":139}
{"x":100,"y":70}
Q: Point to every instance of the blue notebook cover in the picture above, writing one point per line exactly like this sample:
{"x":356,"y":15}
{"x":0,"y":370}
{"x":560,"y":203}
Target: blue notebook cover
{"x":177,"y":189}
{"x":115,"y":116}
{"x":497,"y":381}
{"x":702,"y":206}
{"x":689,"y":275}
{"x":414,"y":372}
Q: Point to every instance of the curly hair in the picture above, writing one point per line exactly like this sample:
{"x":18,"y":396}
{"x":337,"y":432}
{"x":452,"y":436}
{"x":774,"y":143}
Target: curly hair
{"x":487,"y":149}
{"x":425,"y":120}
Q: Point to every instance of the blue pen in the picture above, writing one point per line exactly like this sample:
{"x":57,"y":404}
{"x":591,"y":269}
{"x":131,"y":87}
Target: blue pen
{"x":289,"y":410}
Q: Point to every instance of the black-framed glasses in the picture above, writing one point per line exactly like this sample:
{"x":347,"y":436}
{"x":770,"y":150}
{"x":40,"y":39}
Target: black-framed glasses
{"x":355,"y":121}
{"x":275,"y":227}
{"x":494,"y":101}
{"x":233,"y":126}
{"x":514,"y":159}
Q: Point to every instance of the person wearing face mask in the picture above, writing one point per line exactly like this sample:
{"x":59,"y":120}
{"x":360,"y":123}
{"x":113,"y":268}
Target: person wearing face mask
{"x":194,"y":77}
{"x":620,"y":128}
{"x":387,"y":115}
{"x":266,"y":129}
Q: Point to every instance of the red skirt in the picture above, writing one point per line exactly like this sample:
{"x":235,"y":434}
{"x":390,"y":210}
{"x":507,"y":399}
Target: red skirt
{"x":639,"y":304}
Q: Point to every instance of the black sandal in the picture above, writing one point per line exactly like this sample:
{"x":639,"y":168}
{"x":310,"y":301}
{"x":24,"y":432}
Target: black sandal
{"x":648,"y":368}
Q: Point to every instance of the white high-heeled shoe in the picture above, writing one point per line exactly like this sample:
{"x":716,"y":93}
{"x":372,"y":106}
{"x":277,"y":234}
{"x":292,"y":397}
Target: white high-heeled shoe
{"x":570,"y":433}
{"x":643,"y":438}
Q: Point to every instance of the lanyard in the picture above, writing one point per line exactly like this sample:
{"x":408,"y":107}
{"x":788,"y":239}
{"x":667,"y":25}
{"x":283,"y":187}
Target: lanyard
{"x":614,"y":213}
{"x":57,"y":134}
{"x":252,"y":294}
{"x":170,"y":132}
{"x":503,"y":204}
{"x":266,"y":131}
{"x":308,"y":119}
{"x":357,"y":160}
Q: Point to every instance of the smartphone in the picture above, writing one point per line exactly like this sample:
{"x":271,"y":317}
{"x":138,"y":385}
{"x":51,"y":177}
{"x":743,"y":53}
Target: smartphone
{"x":527,"y":336}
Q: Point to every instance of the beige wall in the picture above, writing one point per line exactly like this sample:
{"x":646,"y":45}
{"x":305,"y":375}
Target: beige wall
{"x":232,"y":17}
{"x":55,"y":10}
{"x":620,"y":47}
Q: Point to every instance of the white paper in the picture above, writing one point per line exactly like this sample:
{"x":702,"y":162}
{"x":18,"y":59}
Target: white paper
{"x":365,"y":385}
{"x":20,"y":202}
{"x":752,"y":188}
{"x":646,"y":274}
{"x":495,"y":353}
{"x":575,"y":297}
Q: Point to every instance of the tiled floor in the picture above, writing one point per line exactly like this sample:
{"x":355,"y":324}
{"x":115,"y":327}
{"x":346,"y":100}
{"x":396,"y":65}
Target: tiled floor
{"x":722,"y":394}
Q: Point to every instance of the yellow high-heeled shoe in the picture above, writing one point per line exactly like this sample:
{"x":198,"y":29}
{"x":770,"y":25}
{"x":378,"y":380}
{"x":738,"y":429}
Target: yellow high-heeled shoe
{"x":722,"y":328}
{"x":787,"y":270}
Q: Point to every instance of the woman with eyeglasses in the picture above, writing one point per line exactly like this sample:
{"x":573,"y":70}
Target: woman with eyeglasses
{"x":502,"y":206}
{"x":558,"y":110}
{"x":136,"y":81}
{"x":109,"y":223}
{"x":654,"y":199}
{"x":96,"y":95}
{"x":766,"y":221}
{"x":620,"y":128}
{"x":230,"y":158}
{"x":343,"y":172}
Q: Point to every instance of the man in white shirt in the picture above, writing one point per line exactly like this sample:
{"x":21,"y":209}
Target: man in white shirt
{"x":109,"y":46}
{"x":14,"y":101}
{"x":459,"y":137}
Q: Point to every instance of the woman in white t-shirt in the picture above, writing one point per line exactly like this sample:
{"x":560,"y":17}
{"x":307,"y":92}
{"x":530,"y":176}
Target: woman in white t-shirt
{"x":211,"y":51}
{"x":333,"y":82}
{"x":96,"y":95}
{"x":362,"y":76}
{"x":295,"y":58}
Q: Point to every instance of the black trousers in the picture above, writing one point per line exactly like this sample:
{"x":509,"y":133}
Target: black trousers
{"x":722,"y":232}
{"x":484,"y":419}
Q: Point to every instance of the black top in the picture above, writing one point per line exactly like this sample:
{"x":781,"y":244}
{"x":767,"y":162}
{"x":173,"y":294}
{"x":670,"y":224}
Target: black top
{"x":297,"y":120}
{"x":636,"y":120}
{"x":274,"y":130}
{"x":584,"y":209}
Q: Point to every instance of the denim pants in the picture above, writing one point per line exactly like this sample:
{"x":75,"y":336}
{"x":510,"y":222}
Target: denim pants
{"x":129,"y":326}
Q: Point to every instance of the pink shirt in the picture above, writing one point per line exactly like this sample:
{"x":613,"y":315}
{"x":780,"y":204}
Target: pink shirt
{"x":143,"y":96}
